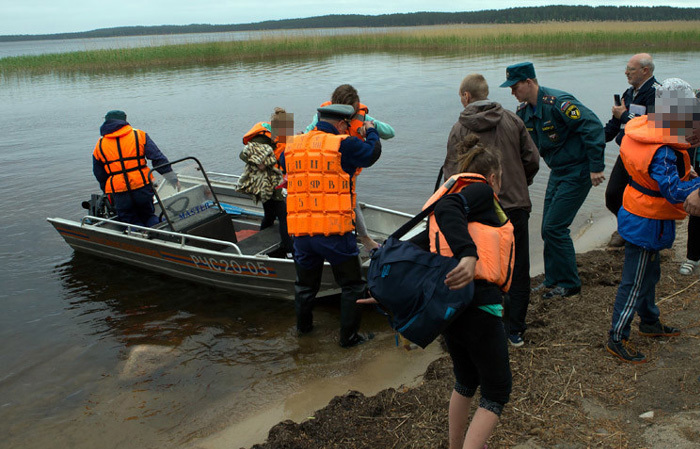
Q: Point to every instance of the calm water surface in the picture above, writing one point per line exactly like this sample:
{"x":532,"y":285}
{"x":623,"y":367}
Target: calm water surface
{"x":97,"y":354}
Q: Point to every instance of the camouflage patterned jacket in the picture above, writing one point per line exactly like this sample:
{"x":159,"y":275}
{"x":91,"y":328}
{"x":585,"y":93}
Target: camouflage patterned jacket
{"x":261,"y":183}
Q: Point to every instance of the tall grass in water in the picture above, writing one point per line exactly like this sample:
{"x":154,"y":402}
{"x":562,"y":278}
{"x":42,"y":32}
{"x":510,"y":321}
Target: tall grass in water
{"x":566,"y":37}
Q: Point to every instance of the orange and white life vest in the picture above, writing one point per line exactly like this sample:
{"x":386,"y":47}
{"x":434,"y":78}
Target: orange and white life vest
{"x":320,"y":194}
{"x":641,"y":196}
{"x":123,"y":155}
{"x":494,"y":245}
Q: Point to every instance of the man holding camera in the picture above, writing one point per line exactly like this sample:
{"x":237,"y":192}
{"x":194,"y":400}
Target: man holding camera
{"x":636,"y":101}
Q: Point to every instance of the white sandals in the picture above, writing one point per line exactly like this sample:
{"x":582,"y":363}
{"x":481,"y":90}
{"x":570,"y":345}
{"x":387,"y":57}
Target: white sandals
{"x":688,"y":267}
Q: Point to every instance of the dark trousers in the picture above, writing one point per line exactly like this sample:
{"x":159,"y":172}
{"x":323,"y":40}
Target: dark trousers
{"x":341,"y":252}
{"x":637,"y":291}
{"x":136,"y":207}
{"x":565,"y":194}
{"x":275,"y":209}
{"x":693,"y":250}
{"x":520,"y":285}
{"x":616,"y":186}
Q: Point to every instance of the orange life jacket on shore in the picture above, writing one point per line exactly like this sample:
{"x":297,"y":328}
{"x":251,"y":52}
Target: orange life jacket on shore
{"x":494,"y":245}
{"x":123,"y":155}
{"x":320,"y":194}
{"x":641,"y":196}
{"x":260,"y":130}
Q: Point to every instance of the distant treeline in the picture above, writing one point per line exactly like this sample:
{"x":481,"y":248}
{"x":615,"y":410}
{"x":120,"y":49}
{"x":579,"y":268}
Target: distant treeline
{"x":559,"y":13}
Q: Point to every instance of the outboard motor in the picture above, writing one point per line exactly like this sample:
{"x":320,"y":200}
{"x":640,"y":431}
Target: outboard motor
{"x":99,"y":206}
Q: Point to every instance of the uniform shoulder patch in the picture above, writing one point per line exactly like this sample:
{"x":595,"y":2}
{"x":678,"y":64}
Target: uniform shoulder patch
{"x":549,"y":99}
{"x":570,"y":110}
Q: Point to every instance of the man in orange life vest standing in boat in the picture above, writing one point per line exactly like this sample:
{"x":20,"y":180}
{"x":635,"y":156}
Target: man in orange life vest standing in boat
{"x":119,"y":164}
{"x":347,"y":94}
{"x":321,"y":167}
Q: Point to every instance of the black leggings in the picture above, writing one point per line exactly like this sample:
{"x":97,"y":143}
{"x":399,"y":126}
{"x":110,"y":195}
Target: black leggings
{"x":477,"y":344}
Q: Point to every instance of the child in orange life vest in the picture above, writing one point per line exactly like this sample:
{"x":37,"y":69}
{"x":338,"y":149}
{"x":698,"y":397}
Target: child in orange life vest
{"x":262,"y":176}
{"x":346,"y":94}
{"x":476,"y":339}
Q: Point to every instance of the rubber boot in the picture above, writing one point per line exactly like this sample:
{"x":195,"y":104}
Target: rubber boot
{"x":305,"y":288}
{"x":349,"y":277}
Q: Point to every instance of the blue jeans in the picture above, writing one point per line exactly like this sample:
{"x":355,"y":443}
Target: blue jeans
{"x":637,"y":291}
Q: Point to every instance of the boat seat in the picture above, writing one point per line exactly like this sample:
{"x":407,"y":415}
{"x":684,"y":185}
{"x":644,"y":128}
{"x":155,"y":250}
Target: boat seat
{"x":219,"y":227}
{"x":261,"y":242}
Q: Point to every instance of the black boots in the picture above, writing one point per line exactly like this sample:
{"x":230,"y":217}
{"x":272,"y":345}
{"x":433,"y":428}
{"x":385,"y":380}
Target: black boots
{"x":349,"y":277}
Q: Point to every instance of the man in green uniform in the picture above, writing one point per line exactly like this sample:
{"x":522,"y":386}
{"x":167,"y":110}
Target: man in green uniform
{"x":571,"y":141}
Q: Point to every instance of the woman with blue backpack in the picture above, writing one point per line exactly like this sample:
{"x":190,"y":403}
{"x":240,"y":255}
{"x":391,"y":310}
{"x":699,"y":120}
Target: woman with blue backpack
{"x":470,"y":225}
{"x":474,"y":240}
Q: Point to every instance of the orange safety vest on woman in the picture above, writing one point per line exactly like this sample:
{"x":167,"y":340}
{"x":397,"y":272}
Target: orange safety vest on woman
{"x":357,"y":121}
{"x":494,"y":245}
{"x":123,"y":156}
{"x":320,"y":194}
{"x":641,"y":196}
{"x":260,"y":130}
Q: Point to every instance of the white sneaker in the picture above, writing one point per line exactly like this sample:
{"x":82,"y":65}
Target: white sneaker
{"x":688,"y":267}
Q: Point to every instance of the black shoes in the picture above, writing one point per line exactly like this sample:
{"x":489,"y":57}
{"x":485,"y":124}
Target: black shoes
{"x":658,"y":329}
{"x":562,"y":291}
{"x":624,"y":351}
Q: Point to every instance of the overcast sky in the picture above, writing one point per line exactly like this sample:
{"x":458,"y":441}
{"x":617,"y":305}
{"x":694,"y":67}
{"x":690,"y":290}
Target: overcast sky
{"x":59,"y":16}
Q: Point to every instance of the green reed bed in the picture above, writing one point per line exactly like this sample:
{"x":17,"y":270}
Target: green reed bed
{"x":546,"y":37}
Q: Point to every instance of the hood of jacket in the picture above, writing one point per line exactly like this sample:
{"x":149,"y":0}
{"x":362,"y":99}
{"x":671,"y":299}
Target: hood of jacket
{"x":481,"y":115}
{"x":112,"y":125}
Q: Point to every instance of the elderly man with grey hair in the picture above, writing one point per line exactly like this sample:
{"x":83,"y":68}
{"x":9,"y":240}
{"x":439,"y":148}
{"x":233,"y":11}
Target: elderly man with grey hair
{"x":655,"y":154}
{"x":637,"y":100}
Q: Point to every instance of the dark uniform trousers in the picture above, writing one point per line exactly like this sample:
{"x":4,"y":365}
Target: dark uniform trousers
{"x":566,"y":191}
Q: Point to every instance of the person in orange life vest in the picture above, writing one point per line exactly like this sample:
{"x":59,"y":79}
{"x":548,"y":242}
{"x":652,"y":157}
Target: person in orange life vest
{"x":321,"y":166}
{"x":654,"y":151}
{"x":347,"y":94}
{"x":263,"y":176}
{"x":466,"y":218}
{"x":119,"y":165}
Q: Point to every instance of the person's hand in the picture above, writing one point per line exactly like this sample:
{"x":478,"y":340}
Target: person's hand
{"x":462,"y":274}
{"x":369,"y":300}
{"x":692,"y":203}
{"x":597,"y":178}
{"x":693,"y":174}
{"x":368,"y":124}
{"x":617,"y":111}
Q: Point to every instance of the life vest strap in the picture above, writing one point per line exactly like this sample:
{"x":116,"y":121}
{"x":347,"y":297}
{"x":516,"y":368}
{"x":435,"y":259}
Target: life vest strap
{"x":649,"y":192}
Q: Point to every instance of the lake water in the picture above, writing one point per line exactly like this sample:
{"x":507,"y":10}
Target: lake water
{"x":97,"y":354}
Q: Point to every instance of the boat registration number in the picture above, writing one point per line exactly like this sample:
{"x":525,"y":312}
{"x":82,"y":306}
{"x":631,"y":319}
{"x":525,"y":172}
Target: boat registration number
{"x":231,"y":266}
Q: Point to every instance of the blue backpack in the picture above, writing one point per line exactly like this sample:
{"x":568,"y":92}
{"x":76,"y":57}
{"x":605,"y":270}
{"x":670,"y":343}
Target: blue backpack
{"x":409,"y":283}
